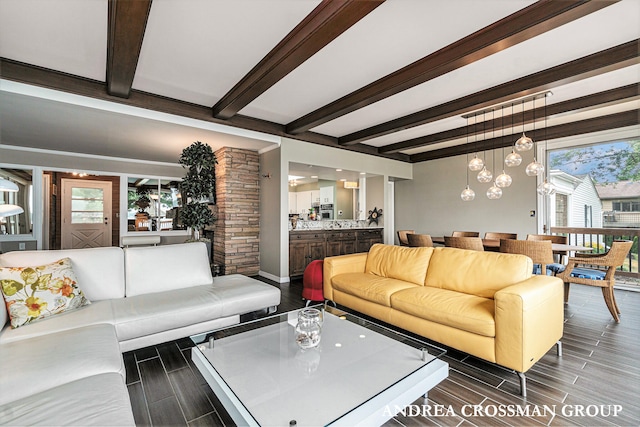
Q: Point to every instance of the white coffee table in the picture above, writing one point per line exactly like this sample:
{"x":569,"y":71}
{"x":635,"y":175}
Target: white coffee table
{"x":360,"y":374}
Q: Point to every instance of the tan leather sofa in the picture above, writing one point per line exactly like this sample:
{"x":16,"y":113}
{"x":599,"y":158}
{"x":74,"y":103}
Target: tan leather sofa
{"x":483,"y":303}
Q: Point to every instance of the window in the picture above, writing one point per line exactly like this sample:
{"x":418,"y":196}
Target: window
{"x":21,"y":223}
{"x":588,"y":216}
{"x":87,"y":205}
{"x":562,"y":215}
{"x":153,"y":204}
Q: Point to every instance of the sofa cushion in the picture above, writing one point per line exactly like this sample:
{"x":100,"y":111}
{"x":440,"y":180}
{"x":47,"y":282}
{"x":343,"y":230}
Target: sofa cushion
{"x":96,"y":313}
{"x":455,"y":309}
{"x":370,"y":287}
{"x":476,"y":273}
{"x":34,"y":293}
{"x":241,"y":294}
{"x":398,"y":262}
{"x":100,"y":271}
{"x":98,"y":400}
{"x":42,"y":363}
{"x":149,"y":314}
{"x":162,"y":268}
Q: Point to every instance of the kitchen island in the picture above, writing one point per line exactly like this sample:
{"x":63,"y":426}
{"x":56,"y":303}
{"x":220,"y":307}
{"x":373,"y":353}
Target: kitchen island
{"x":312,"y":240}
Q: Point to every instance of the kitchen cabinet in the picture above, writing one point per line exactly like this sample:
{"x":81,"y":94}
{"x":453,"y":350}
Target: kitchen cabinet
{"x":326,"y":195}
{"x":306,"y":246}
{"x":303,"y":202}
{"x":293,"y":202}
{"x":315,"y":196}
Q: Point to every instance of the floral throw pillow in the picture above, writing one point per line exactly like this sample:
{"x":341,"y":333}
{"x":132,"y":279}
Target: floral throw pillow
{"x":33,"y":293}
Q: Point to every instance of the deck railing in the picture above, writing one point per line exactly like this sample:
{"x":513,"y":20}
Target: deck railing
{"x":600,"y":240}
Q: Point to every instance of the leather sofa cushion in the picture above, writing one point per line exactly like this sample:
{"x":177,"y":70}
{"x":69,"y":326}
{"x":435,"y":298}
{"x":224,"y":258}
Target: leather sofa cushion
{"x":398,"y":262}
{"x":370,"y":287}
{"x":241,"y":294}
{"x":476,"y":273}
{"x":98,"y":400}
{"x":461,"y":311}
{"x":42,"y":363}
{"x":96,"y":313}
{"x":93,"y":268}
{"x":167,"y":267}
{"x":149,"y":314}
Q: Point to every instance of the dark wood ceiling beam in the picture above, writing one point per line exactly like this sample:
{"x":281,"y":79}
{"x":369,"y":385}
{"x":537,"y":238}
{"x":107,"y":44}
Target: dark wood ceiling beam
{"x":42,"y":77}
{"x":597,"y":124}
{"x":127,"y":23}
{"x":326,"y":22}
{"x":621,"y":94}
{"x":598,"y":63}
{"x":522,"y":25}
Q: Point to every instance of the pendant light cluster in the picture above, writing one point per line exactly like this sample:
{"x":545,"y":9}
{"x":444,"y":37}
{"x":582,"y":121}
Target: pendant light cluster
{"x":513,"y":159}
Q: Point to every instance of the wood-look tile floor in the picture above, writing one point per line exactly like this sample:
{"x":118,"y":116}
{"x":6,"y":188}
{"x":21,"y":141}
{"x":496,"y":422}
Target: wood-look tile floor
{"x":599,"y":369}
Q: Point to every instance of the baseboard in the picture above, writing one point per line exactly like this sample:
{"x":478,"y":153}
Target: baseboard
{"x":273,"y":277}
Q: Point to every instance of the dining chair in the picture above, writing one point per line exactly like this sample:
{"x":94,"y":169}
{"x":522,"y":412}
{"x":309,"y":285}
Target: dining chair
{"x":554,"y":239}
{"x":492,"y":235}
{"x":472,"y":243}
{"x":402,"y":237}
{"x":600,"y":277}
{"x":465,"y":234}
{"x":539,"y":251}
{"x":419,"y":240}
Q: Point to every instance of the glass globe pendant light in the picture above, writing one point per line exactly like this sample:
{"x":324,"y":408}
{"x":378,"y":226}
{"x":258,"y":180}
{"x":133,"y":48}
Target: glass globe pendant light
{"x":546,"y":188}
{"x":535,"y":168}
{"x":524,"y":143}
{"x":467,"y":194}
{"x":485,"y":175}
{"x":503,"y":180}
{"x":513,"y":159}
{"x":476,"y":163}
{"x":494,"y":192}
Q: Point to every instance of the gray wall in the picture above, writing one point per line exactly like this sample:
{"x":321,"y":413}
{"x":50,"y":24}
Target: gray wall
{"x":271,"y":200}
{"x":431,"y":204}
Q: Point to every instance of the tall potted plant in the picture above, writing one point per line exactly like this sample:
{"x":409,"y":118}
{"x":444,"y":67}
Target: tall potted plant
{"x":198,"y":187}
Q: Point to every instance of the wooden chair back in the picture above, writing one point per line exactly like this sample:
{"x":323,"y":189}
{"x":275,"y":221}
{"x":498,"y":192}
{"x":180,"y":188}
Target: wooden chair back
{"x":419,"y":240}
{"x":472,"y":243}
{"x":465,"y":234}
{"x":554,"y":239}
{"x":402,"y":237}
{"x":539,"y":251}
{"x":499,"y":236}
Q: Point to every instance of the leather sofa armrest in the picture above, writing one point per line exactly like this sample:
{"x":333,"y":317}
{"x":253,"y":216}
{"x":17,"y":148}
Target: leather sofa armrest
{"x":529,"y":320}
{"x":333,"y":266}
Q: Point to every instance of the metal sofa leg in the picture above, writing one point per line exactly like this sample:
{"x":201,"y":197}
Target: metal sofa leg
{"x":523,"y":384}
{"x":559,"y":348}
{"x":272,"y":309}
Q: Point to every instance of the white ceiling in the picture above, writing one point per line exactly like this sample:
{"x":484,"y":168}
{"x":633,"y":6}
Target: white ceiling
{"x":197,"y":50}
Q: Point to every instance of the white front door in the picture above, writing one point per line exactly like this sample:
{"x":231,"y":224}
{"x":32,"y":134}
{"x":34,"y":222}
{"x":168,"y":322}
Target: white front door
{"x":86,"y":213}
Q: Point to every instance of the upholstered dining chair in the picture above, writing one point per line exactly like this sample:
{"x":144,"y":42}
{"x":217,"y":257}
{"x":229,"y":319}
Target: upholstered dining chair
{"x":498,"y":236}
{"x":539,"y":251}
{"x":600,"y":277}
{"x":472,"y":243}
{"x":419,"y":240}
{"x":402,"y":237}
{"x":465,"y":234}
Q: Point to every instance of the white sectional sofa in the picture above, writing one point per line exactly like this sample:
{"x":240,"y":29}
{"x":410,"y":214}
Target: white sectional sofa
{"x":67,"y":369}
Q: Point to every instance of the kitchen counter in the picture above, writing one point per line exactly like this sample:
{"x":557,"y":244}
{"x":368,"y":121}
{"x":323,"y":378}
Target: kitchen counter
{"x":338,"y":224}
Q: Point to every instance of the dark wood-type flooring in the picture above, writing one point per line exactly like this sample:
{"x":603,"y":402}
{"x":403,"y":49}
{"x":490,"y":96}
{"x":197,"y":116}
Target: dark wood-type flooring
{"x":599,"y":369}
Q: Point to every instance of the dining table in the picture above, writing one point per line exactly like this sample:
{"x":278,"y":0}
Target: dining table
{"x":494,"y":245}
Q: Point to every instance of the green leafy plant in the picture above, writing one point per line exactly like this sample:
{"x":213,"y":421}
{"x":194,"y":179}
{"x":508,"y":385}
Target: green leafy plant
{"x":198,"y":186}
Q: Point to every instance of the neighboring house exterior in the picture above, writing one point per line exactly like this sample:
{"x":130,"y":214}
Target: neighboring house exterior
{"x":620,"y":203}
{"x":576,"y":202}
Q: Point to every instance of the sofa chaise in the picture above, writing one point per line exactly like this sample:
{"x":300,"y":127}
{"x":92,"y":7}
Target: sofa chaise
{"x":485,"y":304}
{"x":67,"y":369}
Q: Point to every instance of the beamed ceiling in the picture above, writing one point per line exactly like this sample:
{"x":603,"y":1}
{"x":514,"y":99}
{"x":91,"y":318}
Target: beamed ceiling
{"x":142,"y":78}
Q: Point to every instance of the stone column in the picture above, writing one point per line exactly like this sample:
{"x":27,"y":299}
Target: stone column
{"x":236,"y":238}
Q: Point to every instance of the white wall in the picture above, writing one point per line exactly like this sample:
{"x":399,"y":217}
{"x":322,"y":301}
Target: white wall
{"x":431,"y":204}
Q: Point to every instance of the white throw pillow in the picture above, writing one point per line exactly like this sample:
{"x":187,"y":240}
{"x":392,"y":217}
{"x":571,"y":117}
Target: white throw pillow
{"x":33,"y":293}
